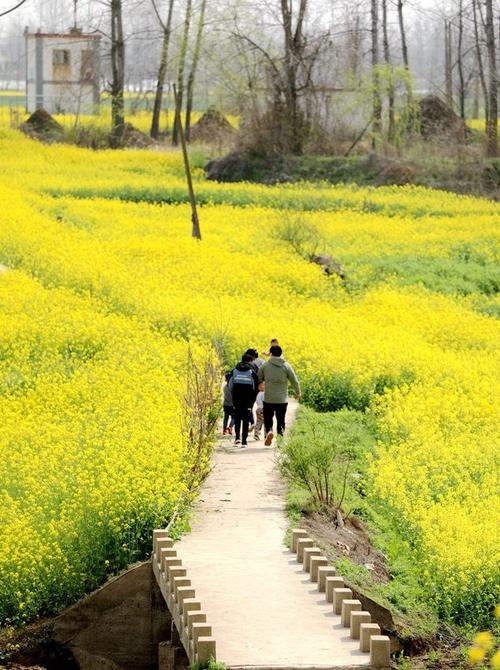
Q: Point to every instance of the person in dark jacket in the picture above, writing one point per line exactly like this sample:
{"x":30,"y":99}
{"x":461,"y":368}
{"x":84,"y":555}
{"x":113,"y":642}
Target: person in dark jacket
{"x":228,"y":422}
{"x":244,"y":387}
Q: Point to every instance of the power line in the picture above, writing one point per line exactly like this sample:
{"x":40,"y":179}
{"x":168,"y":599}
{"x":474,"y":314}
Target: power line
{"x":12,"y":9}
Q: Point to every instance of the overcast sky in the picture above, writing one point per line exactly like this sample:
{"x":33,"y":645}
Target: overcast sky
{"x":30,"y":12}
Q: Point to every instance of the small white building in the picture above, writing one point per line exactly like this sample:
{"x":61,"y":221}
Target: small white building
{"x":62,"y":72}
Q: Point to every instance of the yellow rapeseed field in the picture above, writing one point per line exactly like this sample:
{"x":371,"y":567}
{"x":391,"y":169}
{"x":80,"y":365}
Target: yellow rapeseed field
{"x":105,"y":290}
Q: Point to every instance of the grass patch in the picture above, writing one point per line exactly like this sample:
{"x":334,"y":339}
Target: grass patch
{"x":349,"y":436}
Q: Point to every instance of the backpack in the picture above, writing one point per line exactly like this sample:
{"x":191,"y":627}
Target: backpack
{"x":243,"y":378}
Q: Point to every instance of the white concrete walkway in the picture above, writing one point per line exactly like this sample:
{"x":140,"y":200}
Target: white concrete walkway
{"x":263,"y":609}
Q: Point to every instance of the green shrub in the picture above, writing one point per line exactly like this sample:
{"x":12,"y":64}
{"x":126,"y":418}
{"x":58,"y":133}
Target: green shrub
{"x":321,"y":452}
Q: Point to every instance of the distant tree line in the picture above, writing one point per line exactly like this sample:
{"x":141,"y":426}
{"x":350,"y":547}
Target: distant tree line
{"x":284,"y":64}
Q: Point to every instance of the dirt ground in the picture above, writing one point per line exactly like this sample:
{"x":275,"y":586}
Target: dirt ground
{"x":351,"y":542}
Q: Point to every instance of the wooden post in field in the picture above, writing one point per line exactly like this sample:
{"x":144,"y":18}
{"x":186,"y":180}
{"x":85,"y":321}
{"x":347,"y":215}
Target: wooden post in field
{"x":196,"y":232}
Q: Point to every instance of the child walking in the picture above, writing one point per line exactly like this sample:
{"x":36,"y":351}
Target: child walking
{"x":228,"y":421}
{"x":274,"y":343}
{"x":259,"y":411}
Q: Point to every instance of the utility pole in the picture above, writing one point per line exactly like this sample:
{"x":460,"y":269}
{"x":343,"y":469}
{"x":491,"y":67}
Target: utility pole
{"x":195,"y":232}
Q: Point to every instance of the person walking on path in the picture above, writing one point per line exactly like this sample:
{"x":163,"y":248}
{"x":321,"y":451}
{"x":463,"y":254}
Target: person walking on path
{"x":244,"y":387}
{"x":256,"y":360}
{"x":228,"y":421}
{"x":274,"y":343}
{"x":259,"y":411}
{"x":277,"y":374}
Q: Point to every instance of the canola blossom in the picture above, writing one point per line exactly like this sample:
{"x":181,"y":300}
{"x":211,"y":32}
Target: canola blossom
{"x":105,"y":291}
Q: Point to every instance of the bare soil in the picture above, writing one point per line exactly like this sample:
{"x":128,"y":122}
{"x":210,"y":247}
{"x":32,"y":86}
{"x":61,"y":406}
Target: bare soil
{"x":351,"y":541}
{"x":32,"y":648}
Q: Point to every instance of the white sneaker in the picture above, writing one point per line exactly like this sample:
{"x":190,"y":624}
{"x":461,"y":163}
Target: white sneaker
{"x":269,"y":438}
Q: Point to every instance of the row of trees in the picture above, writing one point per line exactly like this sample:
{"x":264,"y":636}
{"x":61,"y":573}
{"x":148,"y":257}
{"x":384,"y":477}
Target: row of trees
{"x":300,"y":67}
{"x":285,"y":57}
{"x":470,"y":45}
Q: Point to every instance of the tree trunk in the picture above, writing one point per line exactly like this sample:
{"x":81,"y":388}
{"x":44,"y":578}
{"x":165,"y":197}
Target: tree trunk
{"x":377,"y":101}
{"x":480,"y":65}
{"x":182,"y":65}
{"x":118,"y":74}
{"x":390,"y":74}
{"x":195,"y":222}
{"x":192,"y":72}
{"x":492,"y":125}
{"x":356,"y":48}
{"x":448,"y":71}
{"x":460,"y":63}
{"x":162,"y":72}
{"x":293,"y":130}
{"x":402,"y":30}
{"x":406,"y":63}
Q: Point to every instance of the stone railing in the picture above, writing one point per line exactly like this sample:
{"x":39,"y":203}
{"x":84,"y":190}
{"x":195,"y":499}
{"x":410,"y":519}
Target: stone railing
{"x":348,"y":609}
{"x":191,"y":623}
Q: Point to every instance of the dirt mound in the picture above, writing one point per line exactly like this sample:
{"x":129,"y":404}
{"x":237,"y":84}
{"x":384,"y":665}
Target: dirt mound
{"x":135,"y":138}
{"x":212,"y":126}
{"x":42,"y":126}
{"x":437,"y":119}
{"x":396,"y":174}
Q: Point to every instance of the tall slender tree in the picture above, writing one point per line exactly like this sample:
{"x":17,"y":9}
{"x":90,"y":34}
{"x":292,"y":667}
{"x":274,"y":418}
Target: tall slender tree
{"x":194,"y":68}
{"x":118,"y":74}
{"x":294,"y":61}
{"x":406,"y":59}
{"x":390,"y":82}
{"x":480,"y":64}
{"x":460,"y":60}
{"x":162,"y":69}
{"x":448,"y":67}
{"x":492,"y":125}
{"x":377,"y":99}
{"x":181,"y":69}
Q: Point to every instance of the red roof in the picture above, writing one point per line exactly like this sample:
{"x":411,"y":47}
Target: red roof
{"x":72,"y":36}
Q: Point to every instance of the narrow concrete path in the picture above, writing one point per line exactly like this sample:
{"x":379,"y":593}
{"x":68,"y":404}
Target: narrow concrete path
{"x":263,"y":608}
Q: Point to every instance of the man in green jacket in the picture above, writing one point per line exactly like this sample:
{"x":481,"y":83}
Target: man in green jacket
{"x":276,"y":373}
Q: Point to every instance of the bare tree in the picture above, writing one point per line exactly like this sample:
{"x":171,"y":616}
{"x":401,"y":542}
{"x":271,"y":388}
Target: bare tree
{"x":402,"y":31}
{"x":162,"y":70}
{"x":194,"y":67}
{"x":492,"y":124}
{"x":390,"y":85}
{"x":460,"y":60}
{"x":406,"y":60}
{"x":288,"y":73}
{"x":195,"y":230}
{"x":294,"y":55}
{"x":118,"y":74}
{"x":377,"y":100}
{"x":480,"y":64}
{"x":182,"y":66}
{"x":448,"y":67}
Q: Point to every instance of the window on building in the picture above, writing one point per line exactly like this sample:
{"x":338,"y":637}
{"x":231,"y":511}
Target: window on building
{"x":60,"y":57}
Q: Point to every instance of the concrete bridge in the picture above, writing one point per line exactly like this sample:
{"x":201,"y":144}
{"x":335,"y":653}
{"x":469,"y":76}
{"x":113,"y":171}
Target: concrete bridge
{"x":237,"y":594}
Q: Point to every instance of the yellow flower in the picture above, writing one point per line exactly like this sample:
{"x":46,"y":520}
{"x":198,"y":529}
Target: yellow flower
{"x":484,"y":639}
{"x":476,"y":654}
{"x":105,"y":289}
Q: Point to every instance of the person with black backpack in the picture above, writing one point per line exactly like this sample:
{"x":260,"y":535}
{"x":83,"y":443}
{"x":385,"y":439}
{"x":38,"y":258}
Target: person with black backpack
{"x":244,"y":387}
